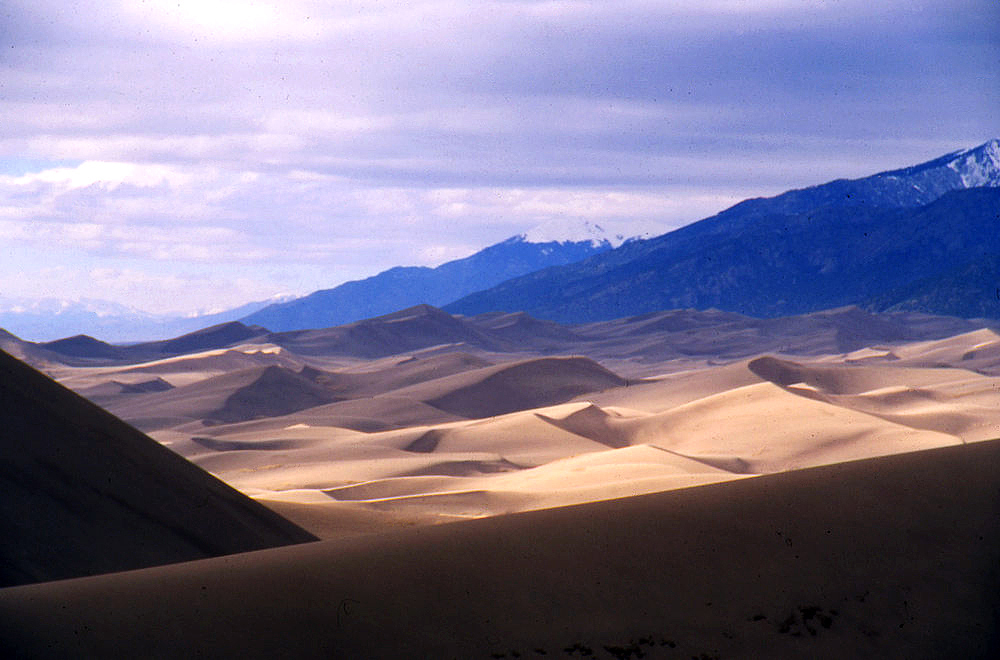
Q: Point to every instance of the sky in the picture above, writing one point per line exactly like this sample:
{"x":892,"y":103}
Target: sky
{"x":193,"y":155}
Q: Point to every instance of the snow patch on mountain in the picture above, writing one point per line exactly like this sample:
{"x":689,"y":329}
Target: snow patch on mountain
{"x":980,"y":166}
{"x":567,"y":230}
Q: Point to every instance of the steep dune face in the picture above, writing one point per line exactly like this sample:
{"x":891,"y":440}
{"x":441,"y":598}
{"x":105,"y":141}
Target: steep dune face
{"x":111,"y":391}
{"x":773,"y":430}
{"x":979,"y":351}
{"x":835,"y":379}
{"x":593,"y":422}
{"x":276,"y":391}
{"x":945,"y":399}
{"x":522,"y":330}
{"x":84,"y":493}
{"x":418,"y":369}
{"x":393,"y":374}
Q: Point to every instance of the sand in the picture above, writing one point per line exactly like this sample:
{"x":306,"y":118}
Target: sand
{"x":84,"y":493}
{"x":683,"y":484}
{"x":691,"y":428}
{"x":894,"y":557}
{"x":455,"y":431}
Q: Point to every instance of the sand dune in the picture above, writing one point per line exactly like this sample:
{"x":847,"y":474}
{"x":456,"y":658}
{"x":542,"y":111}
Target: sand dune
{"x":379,"y":377}
{"x":28,"y":352}
{"x":943,"y":399}
{"x":216,"y":336}
{"x":519,"y":386}
{"x":577,"y":452}
{"x":979,"y":350}
{"x":231,"y":397}
{"x":178,"y":371}
{"x":84,"y":346}
{"x":904,"y":566}
{"x":108,"y":392}
{"x":622,"y":537}
{"x":376,"y":414}
{"x":410,"y":329}
{"x":456,"y":431}
{"x":504,"y":488}
{"x":529,"y":333}
{"x":231,"y":385}
{"x":774,"y":430}
{"x":400,"y":372}
{"x":472,"y":440}
{"x":84,"y":493}
{"x":118,"y":387}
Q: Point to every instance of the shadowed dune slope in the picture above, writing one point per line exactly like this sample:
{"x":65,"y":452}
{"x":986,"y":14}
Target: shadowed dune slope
{"x":112,"y":390}
{"x":410,"y":329}
{"x":84,"y":493}
{"x":232,"y":397}
{"x":415,"y":369}
{"x":380,"y":377}
{"x":216,"y":336}
{"x":906,"y":564}
{"x":277,"y":391}
{"x":83,"y":346}
{"x":515,"y":386}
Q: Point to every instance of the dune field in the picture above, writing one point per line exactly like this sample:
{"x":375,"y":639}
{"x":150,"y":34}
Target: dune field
{"x":580,"y":471}
{"x":341,"y":443}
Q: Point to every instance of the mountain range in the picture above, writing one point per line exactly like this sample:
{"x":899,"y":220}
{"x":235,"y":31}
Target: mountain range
{"x":883,"y":242}
{"x":401,"y":287}
{"x":919,"y":239}
{"x":547,"y":245}
{"x":48,"y":319}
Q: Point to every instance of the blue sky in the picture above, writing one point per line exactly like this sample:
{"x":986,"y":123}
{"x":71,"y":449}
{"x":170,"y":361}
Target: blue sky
{"x":182,"y":155}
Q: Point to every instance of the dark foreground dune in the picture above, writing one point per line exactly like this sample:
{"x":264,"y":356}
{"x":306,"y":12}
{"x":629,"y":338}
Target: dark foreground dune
{"x":82,"y":493}
{"x":894,"y":557}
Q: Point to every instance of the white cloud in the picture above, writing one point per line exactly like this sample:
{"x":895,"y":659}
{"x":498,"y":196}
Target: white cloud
{"x":106,"y":175}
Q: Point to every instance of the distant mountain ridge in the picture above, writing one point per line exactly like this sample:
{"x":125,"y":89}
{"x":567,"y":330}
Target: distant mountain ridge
{"x":841,"y":243}
{"x":50,"y":319}
{"x":575,"y":272}
{"x":402,"y":287}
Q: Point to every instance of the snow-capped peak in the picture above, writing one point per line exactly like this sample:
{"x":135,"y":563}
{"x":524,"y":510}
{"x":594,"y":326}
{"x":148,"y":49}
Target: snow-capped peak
{"x":572,"y":231}
{"x":979,"y":166}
